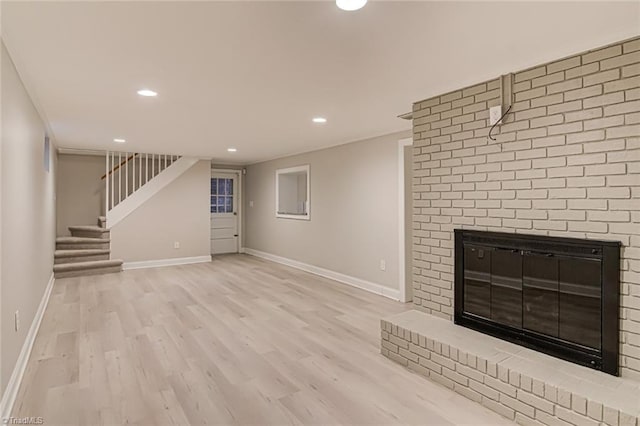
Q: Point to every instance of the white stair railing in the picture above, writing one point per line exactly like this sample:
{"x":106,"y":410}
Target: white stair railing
{"x":127,"y":172}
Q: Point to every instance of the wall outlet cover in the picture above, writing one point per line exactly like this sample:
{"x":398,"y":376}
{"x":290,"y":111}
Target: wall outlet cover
{"x":176,"y":245}
{"x":494,"y":114}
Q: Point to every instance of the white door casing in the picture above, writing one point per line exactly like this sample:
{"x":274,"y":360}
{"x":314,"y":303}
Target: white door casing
{"x":404,"y":222}
{"x":225,"y":211}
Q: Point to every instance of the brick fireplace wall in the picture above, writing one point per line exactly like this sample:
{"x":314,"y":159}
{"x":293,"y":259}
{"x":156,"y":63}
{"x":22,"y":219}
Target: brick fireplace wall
{"x":565,"y":163}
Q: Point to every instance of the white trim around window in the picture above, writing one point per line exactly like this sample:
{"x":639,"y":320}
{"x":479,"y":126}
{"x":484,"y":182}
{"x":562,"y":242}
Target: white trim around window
{"x":297,"y":169}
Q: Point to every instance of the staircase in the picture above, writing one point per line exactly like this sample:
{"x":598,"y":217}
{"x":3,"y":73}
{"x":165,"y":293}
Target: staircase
{"x":130,"y":179}
{"x":85,"y":252}
{"x":133,"y":178}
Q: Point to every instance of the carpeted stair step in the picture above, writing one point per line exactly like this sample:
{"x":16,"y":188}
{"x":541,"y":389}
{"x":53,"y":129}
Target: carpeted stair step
{"x":87,"y":268}
{"x":89,"y":231}
{"x":83,"y":255}
{"x":76,"y":243}
{"x":102,"y":221}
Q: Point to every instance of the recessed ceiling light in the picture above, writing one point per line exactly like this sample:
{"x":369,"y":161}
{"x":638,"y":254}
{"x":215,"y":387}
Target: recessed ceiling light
{"x":147,"y":92}
{"x":350,"y":5}
{"x":119,"y":140}
{"x":231,"y":149}
{"x":319,"y":120}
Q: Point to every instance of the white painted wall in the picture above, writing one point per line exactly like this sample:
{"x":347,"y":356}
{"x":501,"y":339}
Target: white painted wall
{"x":354,"y":210}
{"x":179,"y":212}
{"x":27,"y":215}
{"x":80,"y":191}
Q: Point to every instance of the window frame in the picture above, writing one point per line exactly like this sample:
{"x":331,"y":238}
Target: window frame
{"x":232,"y":196}
{"x":304,"y":168}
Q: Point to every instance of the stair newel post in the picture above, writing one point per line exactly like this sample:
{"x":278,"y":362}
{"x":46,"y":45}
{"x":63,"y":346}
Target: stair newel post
{"x":126,"y":175}
{"x":106,"y":191}
{"x":110,"y":176}
{"x":119,"y":178}
{"x":140,"y":170}
{"x":133,"y":174}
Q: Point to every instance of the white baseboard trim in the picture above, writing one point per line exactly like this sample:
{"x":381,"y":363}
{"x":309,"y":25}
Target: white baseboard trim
{"x":326,"y":273}
{"x":165,"y":262}
{"x":13,"y":386}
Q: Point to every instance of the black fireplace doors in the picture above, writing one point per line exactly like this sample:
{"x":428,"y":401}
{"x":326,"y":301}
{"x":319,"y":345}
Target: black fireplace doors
{"x":556,"y":295}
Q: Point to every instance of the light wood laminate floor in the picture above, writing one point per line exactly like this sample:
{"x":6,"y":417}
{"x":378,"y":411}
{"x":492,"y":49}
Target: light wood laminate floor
{"x":235,"y":341}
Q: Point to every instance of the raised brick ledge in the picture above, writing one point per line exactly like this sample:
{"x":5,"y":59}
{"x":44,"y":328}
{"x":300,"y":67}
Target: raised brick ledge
{"x":518,"y":383}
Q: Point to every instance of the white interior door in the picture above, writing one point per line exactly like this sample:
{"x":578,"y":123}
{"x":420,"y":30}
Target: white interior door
{"x":224,"y":213}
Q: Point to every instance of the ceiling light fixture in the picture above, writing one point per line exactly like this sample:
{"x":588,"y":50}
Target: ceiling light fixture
{"x":147,"y":92}
{"x":319,"y":120}
{"x":231,"y":149}
{"x":119,"y":140}
{"x":350,"y":5}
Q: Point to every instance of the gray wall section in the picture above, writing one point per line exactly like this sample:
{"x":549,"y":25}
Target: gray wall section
{"x":179,"y":212}
{"x":28,"y":215}
{"x":354,"y":210}
{"x":80,"y":191}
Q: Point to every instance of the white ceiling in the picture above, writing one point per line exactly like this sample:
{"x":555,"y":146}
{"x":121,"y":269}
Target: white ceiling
{"x":251,"y":75}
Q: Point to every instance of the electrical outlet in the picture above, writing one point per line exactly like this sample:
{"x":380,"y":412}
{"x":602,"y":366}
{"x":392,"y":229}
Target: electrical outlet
{"x":17,"y":320}
{"x":250,"y":203}
{"x":495,"y":113}
{"x":176,"y":245}
{"x":383,"y":265}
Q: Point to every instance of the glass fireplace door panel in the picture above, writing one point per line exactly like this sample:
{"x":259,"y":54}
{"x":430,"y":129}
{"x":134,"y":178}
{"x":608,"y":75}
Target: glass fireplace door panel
{"x":580,"y":301}
{"x":477,"y":281}
{"x":540,"y":294}
{"x":506,"y":287}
